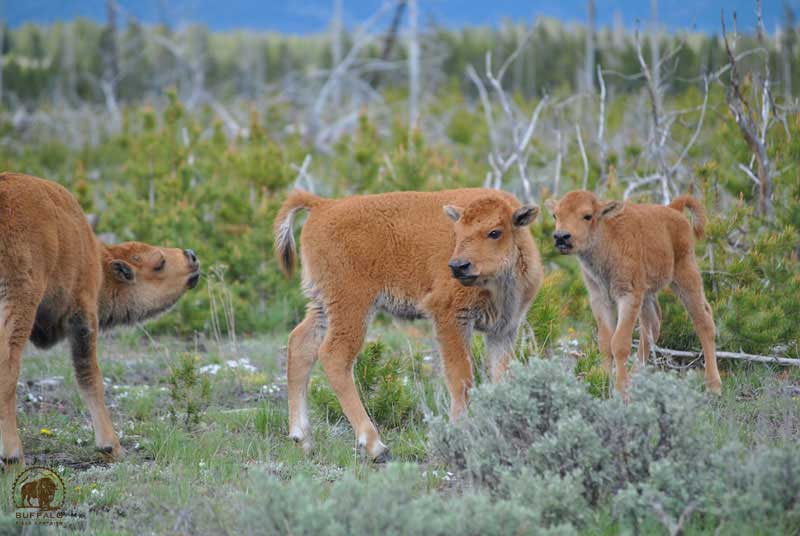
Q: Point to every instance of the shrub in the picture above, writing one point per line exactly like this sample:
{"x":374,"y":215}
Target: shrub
{"x":190,"y":391}
{"x":505,"y":419}
{"x":654,"y":460}
{"x":395,"y":501}
{"x":385,"y":386}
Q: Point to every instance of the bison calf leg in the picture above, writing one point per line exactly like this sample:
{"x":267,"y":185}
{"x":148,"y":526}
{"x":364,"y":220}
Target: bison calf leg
{"x":500,"y":350}
{"x":688,"y":285}
{"x":649,"y":326}
{"x":603,"y":312}
{"x":83,"y":343}
{"x":304,"y":343}
{"x":15,"y":328}
{"x":628,"y":309}
{"x":454,"y":347}
{"x":343,"y":340}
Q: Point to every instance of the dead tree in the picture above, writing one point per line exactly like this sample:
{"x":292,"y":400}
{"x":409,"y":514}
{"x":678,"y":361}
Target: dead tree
{"x":413,"y":71}
{"x":198,"y":94}
{"x":601,"y":127}
{"x":110,"y":63}
{"x":336,"y":42}
{"x":753,"y":123}
{"x":787,"y":49}
{"x":588,"y":70}
{"x":502,"y":155}
{"x":324,"y":121}
{"x":391,"y":39}
{"x":667,"y":158}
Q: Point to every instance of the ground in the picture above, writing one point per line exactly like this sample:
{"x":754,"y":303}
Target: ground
{"x":168,"y":465}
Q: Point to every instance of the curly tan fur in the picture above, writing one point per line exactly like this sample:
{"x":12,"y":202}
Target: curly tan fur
{"x":628,"y":253}
{"x":392,"y":252}
{"x":57,"y":281}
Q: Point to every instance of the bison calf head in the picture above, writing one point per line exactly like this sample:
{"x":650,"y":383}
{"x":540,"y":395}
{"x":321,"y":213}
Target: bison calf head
{"x":577,"y":216}
{"x":485,"y":233}
{"x":142,"y":281}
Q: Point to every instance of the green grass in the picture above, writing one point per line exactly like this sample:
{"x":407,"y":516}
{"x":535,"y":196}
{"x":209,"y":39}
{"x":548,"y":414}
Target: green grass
{"x":169,"y":469}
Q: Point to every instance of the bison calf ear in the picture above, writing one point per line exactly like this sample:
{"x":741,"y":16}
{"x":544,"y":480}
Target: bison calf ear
{"x":123,"y":271}
{"x":611,"y":209}
{"x":453,"y":212}
{"x":551,"y":204}
{"x":524,"y":215}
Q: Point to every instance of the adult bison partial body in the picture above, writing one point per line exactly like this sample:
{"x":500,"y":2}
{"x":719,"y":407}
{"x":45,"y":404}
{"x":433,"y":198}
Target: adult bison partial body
{"x":628,"y":253}
{"x":58,"y":281}
{"x":463,"y":258}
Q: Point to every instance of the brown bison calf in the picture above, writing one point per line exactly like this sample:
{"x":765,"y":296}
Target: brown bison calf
{"x":400,"y":253}
{"x":57,"y":281}
{"x":628,"y":253}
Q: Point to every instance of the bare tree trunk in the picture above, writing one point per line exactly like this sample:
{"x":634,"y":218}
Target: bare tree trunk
{"x":391,"y":37}
{"x":2,"y":28}
{"x":519,"y":65}
{"x":654,"y":52}
{"x":747,"y":119}
{"x":69,"y":62}
{"x":413,"y":70}
{"x":787,"y":46}
{"x":588,"y":72}
{"x":336,"y":45}
{"x":110,"y":65}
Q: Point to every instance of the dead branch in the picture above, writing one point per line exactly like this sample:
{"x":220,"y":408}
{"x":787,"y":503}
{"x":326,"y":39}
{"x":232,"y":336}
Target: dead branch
{"x":391,"y":38}
{"x":362,"y":37}
{"x":739,"y":356}
{"x":583,"y":156}
{"x":501,"y":160}
{"x":746,"y":119}
{"x":601,"y":126}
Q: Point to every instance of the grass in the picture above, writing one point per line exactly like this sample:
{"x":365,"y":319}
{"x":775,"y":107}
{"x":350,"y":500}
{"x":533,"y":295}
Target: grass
{"x":170,"y":470}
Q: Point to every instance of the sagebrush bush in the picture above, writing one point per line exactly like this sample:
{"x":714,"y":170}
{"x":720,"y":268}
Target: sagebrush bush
{"x":653,"y":460}
{"x":395,"y":501}
{"x":505,"y":419}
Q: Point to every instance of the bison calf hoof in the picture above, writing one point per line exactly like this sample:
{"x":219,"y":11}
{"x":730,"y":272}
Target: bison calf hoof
{"x":8,"y":463}
{"x":304,"y":442}
{"x":113,"y":452}
{"x":383,"y":457}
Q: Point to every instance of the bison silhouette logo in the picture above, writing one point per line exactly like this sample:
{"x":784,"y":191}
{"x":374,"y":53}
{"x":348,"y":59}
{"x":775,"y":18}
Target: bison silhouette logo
{"x":39,"y":488}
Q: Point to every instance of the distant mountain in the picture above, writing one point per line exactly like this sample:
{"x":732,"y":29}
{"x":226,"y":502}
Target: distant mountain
{"x":310,"y":16}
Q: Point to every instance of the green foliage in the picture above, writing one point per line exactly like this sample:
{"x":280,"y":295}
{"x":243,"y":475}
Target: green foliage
{"x":190,"y":391}
{"x":396,"y":501}
{"x":385,"y":383}
{"x":548,"y":313}
{"x":589,"y":368}
{"x":650,"y":459}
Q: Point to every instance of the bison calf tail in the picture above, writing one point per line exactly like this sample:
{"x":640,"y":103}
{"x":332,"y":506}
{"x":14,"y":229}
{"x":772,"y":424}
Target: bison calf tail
{"x":696,"y":208}
{"x":285,"y":248}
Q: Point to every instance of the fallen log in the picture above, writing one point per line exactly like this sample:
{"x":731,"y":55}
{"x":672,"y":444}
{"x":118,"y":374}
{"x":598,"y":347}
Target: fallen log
{"x":741,"y":356}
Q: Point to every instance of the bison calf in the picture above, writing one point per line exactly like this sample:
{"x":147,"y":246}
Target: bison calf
{"x":401,"y":253}
{"x":628,"y":253}
{"x":57,"y":281}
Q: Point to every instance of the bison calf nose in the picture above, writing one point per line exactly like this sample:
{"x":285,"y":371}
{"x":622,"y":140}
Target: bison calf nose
{"x":561,"y":236}
{"x":459,"y":267}
{"x":191,"y":256}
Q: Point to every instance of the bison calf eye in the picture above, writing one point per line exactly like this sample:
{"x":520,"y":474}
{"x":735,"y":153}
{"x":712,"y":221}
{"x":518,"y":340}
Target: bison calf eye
{"x":588,"y":217}
{"x":161,"y":265}
{"x":494,"y":235}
